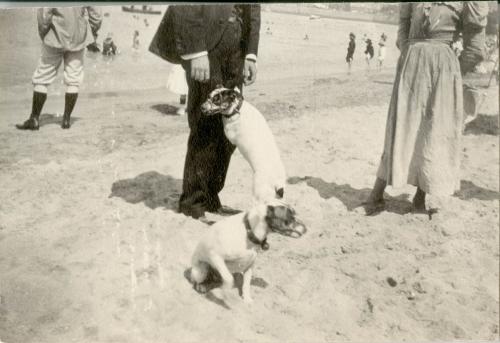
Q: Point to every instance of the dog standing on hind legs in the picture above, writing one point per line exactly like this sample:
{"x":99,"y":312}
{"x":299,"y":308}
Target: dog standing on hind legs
{"x":246,"y":128}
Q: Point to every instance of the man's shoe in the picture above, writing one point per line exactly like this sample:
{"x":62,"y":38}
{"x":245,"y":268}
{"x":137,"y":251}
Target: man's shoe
{"x":30,"y":124}
{"x":226,"y":211}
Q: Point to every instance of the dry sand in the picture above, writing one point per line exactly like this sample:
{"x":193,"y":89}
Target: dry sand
{"x":93,"y":250}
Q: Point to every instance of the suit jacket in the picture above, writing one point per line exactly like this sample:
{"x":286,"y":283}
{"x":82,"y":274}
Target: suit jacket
{"x":188,"y":29}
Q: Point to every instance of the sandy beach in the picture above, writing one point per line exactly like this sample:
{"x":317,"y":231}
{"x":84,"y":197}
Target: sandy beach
{"x":92,"y":248}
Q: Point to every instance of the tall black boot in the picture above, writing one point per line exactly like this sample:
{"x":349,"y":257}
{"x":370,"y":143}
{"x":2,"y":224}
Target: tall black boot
{"x":38,"y":102}
{"x":69,"y":104}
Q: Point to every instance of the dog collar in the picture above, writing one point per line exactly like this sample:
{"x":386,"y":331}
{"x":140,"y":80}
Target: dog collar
{"x":251,"y":236}
{"x":236,"y":111}
{"x":231,"y":115}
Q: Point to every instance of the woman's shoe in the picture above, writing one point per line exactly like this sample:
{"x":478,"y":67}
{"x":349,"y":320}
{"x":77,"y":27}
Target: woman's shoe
{"x":374,"y":207}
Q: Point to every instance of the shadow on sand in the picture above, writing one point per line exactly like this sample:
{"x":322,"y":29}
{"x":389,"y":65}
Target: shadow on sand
{"x":214,"y":281}
{"x":48,"y":119}
{"x":152,"y":188}
{"x":469,"y":190}
{"x":382,"y":82}
{"x":165,"y":109}
{"x":352,"y":198}
{"x":483,"y":125}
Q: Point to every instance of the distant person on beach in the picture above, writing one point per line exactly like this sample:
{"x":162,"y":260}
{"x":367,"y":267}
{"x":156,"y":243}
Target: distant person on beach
{"x":472,"y":96}
{"x":381,"y":50}
{"x":177,"y":84}
{"x":108,"y":46}
{"x":217,"y":44}
{"x":135,"y":40}
{"x":350,"y":50}
{"x":369,"y":52}
{"x":425,"y":119}
{"x":65,"y":32}
{"x":93,"y":47}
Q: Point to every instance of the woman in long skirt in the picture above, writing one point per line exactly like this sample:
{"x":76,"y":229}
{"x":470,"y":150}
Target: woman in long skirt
{"x":424,"y":123}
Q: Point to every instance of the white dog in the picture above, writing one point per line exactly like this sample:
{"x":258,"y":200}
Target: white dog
{"x":247,"y":129}
{"x":230,"y":245}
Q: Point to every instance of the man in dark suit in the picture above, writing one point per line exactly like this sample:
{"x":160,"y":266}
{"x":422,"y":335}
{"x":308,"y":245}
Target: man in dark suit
{"x":216,"y":44}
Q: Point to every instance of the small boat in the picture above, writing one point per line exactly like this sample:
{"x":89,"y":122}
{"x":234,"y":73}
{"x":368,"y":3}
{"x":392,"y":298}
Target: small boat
{"x":140,"y":9}
{"x":312,"y":17}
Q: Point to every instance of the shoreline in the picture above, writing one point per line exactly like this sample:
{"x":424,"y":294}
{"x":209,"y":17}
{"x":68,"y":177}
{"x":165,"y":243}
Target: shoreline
{"x":337,"y":15}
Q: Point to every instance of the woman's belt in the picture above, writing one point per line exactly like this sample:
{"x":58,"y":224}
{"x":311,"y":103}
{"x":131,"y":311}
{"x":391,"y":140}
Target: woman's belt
{"x":443,"y":37}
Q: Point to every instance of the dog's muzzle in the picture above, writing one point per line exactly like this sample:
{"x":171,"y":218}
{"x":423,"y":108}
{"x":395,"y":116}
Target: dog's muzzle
{"x":299,"y":228}
{"x":295,"y":230}
{"x":208,"y":108}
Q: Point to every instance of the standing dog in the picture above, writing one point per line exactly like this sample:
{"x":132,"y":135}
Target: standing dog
{"x":245,"y":127}
{"x":230,"y":245}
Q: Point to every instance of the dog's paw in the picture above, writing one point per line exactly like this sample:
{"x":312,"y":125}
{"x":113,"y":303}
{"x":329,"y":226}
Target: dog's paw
{"x":200,"y":288}
{"x":228,"y":285}
{"x":248,"y":299}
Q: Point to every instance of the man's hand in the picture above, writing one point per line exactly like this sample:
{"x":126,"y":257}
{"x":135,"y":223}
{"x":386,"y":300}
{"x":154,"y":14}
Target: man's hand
{"x":249,"y":72}
{"x":200,"y":69}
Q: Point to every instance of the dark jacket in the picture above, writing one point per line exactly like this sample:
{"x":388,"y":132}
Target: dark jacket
{"x":187,"y":29}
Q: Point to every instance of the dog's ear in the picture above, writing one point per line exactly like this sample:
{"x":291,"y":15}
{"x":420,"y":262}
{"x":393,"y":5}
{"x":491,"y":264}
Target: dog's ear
{"x":280,"y":192}
{"x":290,"y":214}
{"x":236,"y":94}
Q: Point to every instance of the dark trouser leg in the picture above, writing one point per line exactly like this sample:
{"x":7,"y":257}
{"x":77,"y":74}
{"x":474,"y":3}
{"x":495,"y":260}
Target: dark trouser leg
{"x":219,"y":170}
{"x":209,"y":151}
{"x":207,"y":157}
{"x":230,"y":64}
{"x":202,"y":147}
{"x":207,"y":160}
{"x":195,"y":187}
